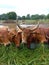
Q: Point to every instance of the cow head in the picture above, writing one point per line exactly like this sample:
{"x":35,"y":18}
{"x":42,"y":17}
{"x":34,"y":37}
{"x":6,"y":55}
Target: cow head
{"x":26,"y":32}
{"x":11,"y":34}
{"x":40,"y":35}
{"x":14,"y":36}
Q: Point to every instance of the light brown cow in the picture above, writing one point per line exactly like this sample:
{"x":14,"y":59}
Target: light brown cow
{"x":4,"y":35}
{"x":8,"y":35}
{"x":26,"y":32}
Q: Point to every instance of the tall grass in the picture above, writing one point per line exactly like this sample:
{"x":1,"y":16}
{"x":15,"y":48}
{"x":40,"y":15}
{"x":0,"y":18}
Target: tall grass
{"x":14,"y":56}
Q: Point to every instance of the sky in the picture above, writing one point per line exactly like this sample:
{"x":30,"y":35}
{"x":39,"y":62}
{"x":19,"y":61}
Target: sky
{"x":24,"y":7}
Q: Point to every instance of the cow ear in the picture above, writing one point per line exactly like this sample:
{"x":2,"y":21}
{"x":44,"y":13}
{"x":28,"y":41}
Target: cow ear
{"x":47,"y":37}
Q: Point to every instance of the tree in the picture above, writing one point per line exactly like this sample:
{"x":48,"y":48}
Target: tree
{"x":42,"y":16}
{"x":35,"y":17}
{"x":23,"y":17}
{"x":3,"y":17}
{"x":28,"y":16}
{"x":48,"y":16}
{"x":19,"y":18}
{"x":12,"y":15}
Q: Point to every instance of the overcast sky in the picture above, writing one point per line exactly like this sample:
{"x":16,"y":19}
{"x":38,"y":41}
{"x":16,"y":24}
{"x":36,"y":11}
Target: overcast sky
{"x":24,"y":7}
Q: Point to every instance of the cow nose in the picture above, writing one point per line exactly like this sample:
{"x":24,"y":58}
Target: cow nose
{"x":8,"y":44}
{"x":45,"y":41}
{"x":24,"y":42}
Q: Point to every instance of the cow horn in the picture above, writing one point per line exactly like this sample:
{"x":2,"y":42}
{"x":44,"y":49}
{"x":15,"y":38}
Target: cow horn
{"x":35,"y":27}
{"x":47,"y":36}
{"x":30,"y":29}
{"x":19,"y":26}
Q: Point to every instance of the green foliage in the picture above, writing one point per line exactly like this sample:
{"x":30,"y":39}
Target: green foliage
{"x":3,"y":17}
{"x":42,"y":16}
{"x":23,"y":17}
{"x":19,"y":18}
{"x":48,"y":16}
{"x":15,"y":56}
{"x":28,"y":17}
{"x":34,"y":17}
{"x":12,"y":15}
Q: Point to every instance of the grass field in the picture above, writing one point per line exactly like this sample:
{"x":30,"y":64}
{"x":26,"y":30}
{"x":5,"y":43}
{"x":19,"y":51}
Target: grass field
{"x":35,"y":21}
{"x":28,"y":21}
{"x":14,"y":56}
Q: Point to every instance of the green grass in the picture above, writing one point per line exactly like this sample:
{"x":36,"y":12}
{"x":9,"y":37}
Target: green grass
{"x":14,"y":56}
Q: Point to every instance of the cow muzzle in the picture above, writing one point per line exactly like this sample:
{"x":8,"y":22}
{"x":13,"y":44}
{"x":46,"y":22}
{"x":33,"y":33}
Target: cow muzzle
{"x":7,"y":44}
{"x":46,"y":41}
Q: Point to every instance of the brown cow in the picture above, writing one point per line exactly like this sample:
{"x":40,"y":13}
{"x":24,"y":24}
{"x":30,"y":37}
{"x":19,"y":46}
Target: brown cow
{"x":26,"y":32}
{"x":8,"y":35}
{"x":15,"y":36}
{"x":4,"y":35}
{"x":39,"y":35}
{"x":36,"y":34}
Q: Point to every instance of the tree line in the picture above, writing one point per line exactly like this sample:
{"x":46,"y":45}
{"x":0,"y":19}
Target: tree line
{"x":14,"y":16}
